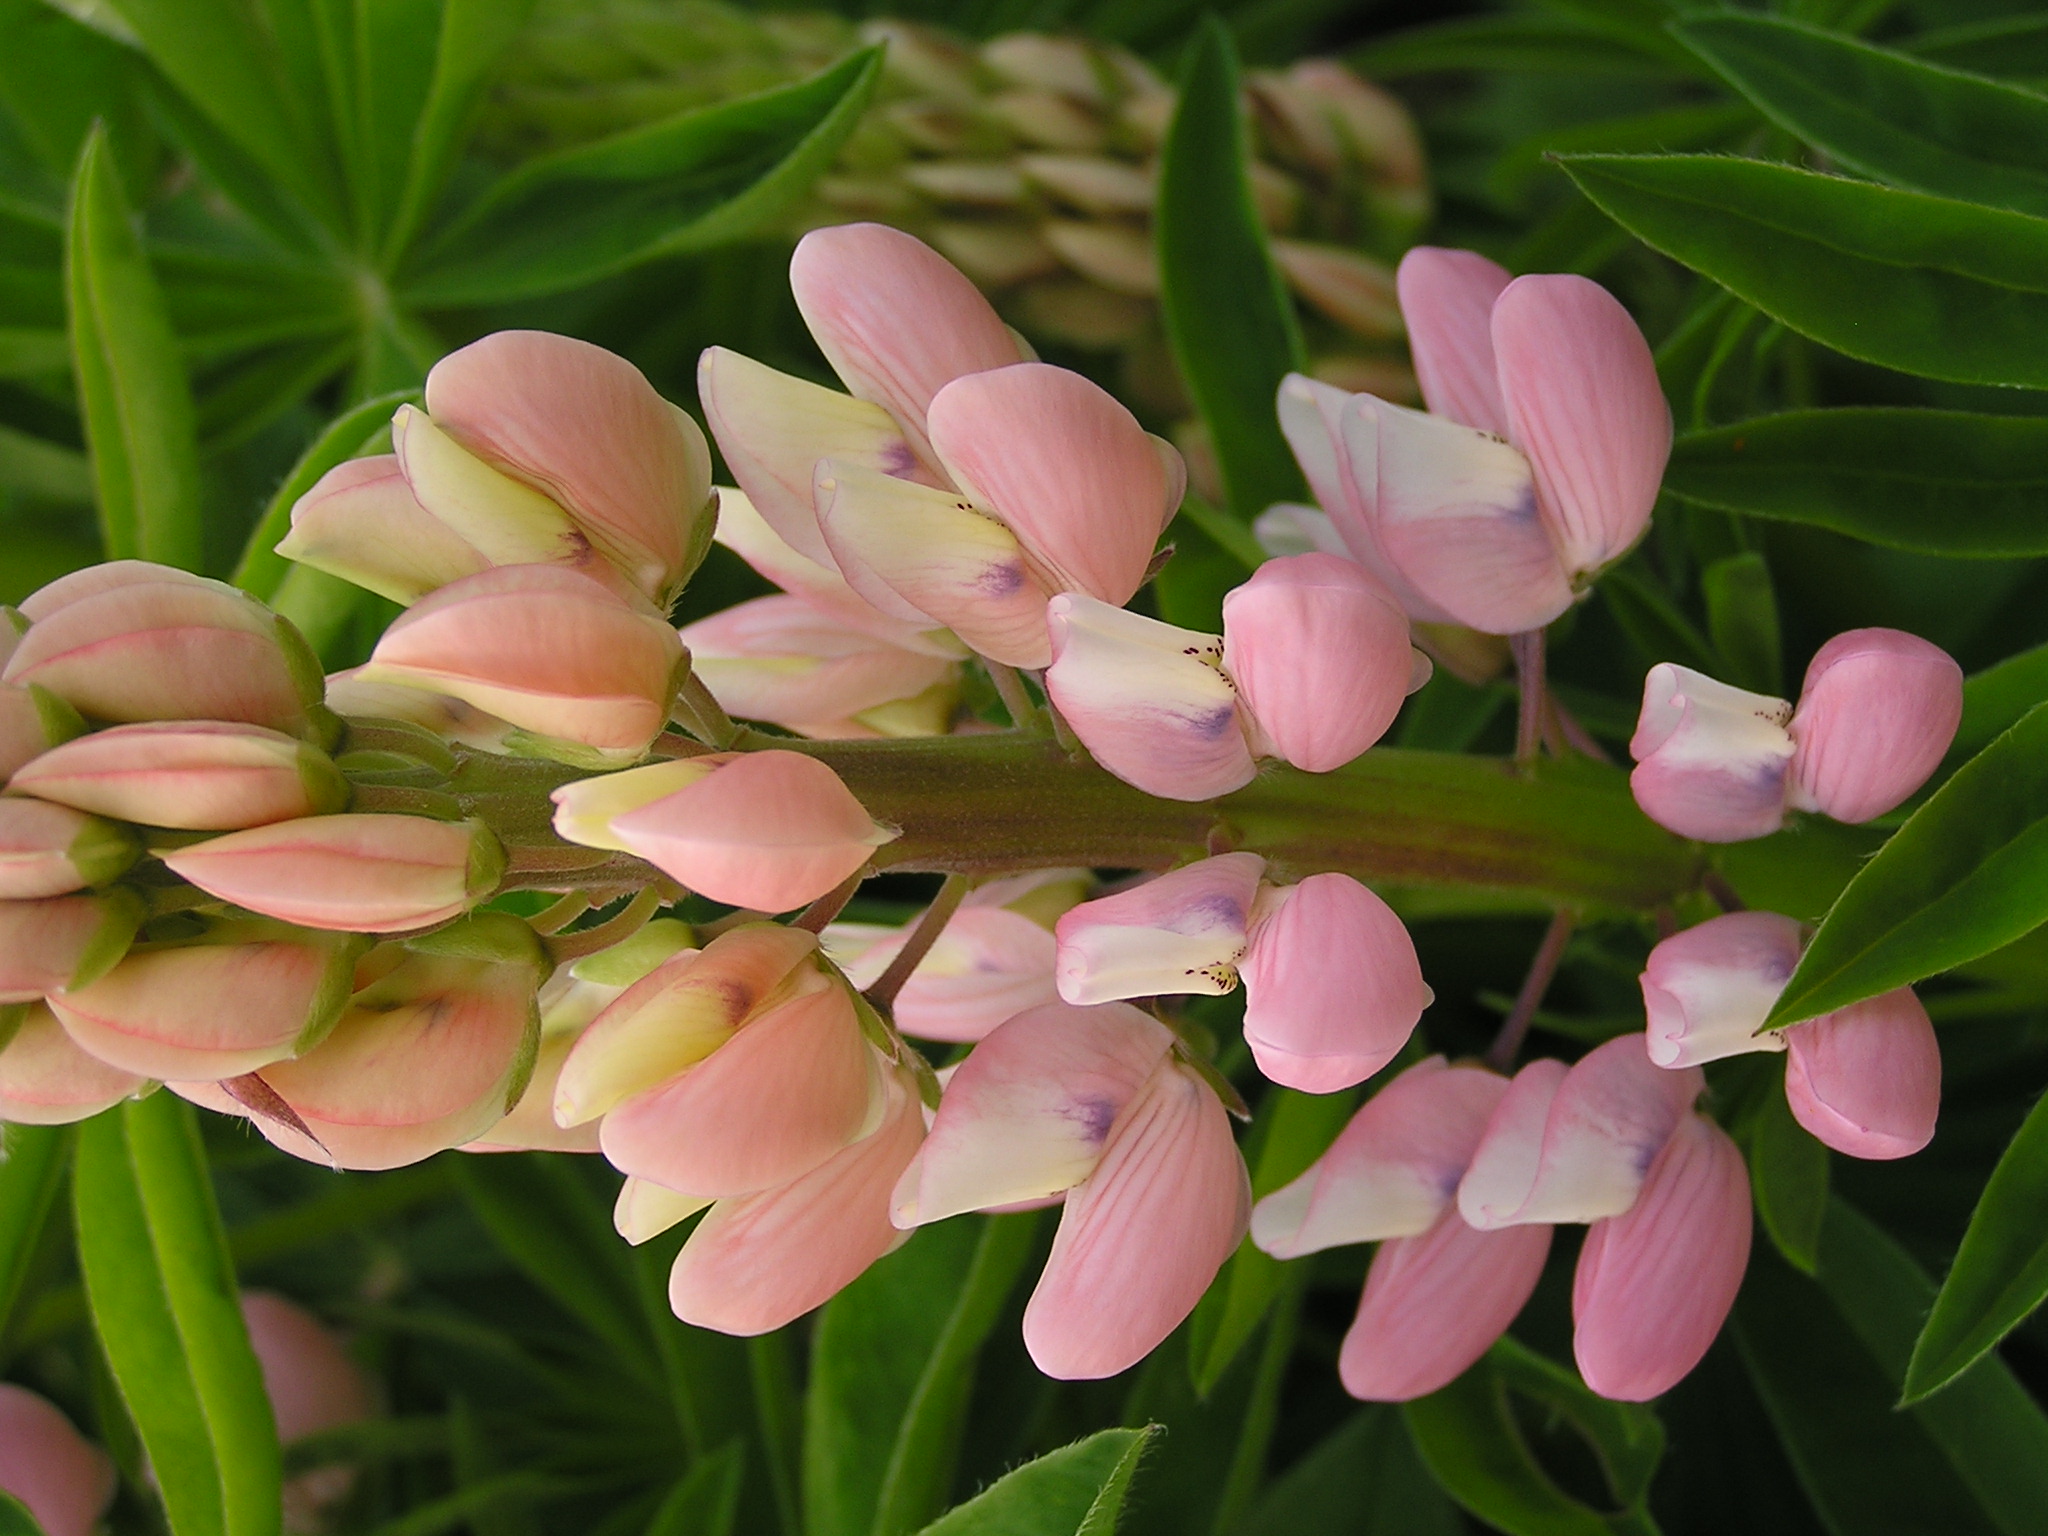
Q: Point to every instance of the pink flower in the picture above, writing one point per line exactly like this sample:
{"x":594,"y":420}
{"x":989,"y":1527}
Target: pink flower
{"x":201,"y":776}
{"x":781,"y":660}
{"x":51,"y":850}
{"x":65,"y":1481}
{"x":361,"y":521}
{"x":1537,"y":467}
{"x":313,"y":1386}
{"x":767,"y":830}
{"x":1877,"y":711}
{"x":45,"y":1079}
{"x":143,"y":642}
{"x":759,"y":1261}
{"x":1655,"y":1283}
{"x":1439,"y":1292}
{"x":1708,"y":989}
{"x":988,"y":965}
{"x":65,"y":941}
{"x":359,"y":873}
{"x":1866,"y":1079}
{"x":1092,"y":1102}
{"x":548,"y":649}
{"x":1332,"y":985}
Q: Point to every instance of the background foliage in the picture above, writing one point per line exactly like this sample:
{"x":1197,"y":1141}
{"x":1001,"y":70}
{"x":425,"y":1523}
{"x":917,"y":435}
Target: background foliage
{"x":233,"y":233}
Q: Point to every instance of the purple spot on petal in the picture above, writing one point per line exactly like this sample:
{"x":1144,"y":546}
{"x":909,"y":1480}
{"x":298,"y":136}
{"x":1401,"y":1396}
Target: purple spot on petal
{"x":1000,"y":580}
{"x":1095,"y":1115}
{"x":900,"y":459}
{"x":1216,"y":724}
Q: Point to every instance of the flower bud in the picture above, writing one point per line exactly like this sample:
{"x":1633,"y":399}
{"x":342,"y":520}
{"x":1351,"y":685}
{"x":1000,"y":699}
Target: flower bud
{"x":760,"y":1261}
{"x":780,"y":660}
{"x":355,"y":873}
{"x":1149,"y":700}
{"x":32,"y":720}
{"x":585,"y":810}
{"x":767,"y":830}
{"x":239,"y":998}
{"x":1332,"y":985}
{"x":1866,"y":1079}
{"x":1711,"y":760}
{"x":354,"y":697}
{"x":1349,"y":288}
{"x":48,"y":850}
{"x":1434,"y":1303}
{"x":313,"y":1386}
{"x":1707,"y":990}
{"x":428,"y":1056}
{"x":64,"y":1480}
{"x":170,"y":649}
{"x":1878,"y":710}
{"x":986,"y":967}
{"x":200,"y":776}
{"x":549,"y":649}
{"x":585,"y":427}
{"x":1573,"y":1144}
{"x":1320,"y":653}
{"x":64,"y":941}
{"x":45,"y":1079}
{"x":1183,"y":932}
{"x":1654,"y":1284}
{"x":107,"y":576}
{"x":361,"y":522}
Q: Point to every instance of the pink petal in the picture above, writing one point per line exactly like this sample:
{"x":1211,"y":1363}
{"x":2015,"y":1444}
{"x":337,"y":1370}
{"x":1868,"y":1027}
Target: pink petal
{"x":773,"y":429}
{"x":1710,"y":759}
{"x":45,"y":1079}
{"x":1707,"y":990}
{"x":987,"y":967}
{"x":23,"y":733}
{"x":1654,"y":1284}
{"x":312,"y":1381}
{"x":107,"y":576}
{"x":1320,"y":652}
{"x":1142,"y":1237}
{"x":1182,"y":932}
{"x":1878,"y":710}
{"x":770,"y":830}
{"x":198,"y":775}
{"x":1576,"y":1145}
{"x":584,"y":426}
{"x":1866,"y":1079}
{"x":1147,"y":699}
{"x":1456,"y":512}
{"x":781,"y":660}
{"x":894,"y":318}
{"x":52,"y":850}
{"x":1029,"y":1112}
{"x":1392,"y":1171}
{"x":1434,"y":1304}
{"x":1312,"y":417}
{"x":759,"y":1262}
{"x":529,"y":1126}
{"x":791,"y":1088}
{"x":42,"y":943}
{"x":1064,"y":464}
{"x":66,"y":1481}
{"x":1447,"y":299}
{"x":1332,"y":985}
{"x":549,"y":649}
{"x":357,"y":873}
{"x":1584,"y":403}
{"x":361,"y":522}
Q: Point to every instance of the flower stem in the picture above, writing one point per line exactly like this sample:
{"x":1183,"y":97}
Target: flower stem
{"x":565,"y":947}
{"x":1527,"y":648}
{"x":702,"y":715}
{"x":828,"y":906}
{"x":883,"y":993}
{"x":1024,"y":715}
{"x":1508,"y":1043}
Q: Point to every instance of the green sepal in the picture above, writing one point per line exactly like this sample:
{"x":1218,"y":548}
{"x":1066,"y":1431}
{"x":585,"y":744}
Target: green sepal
{"x":103,"y":850}
{"x":121,"y":915}
{"x":12,"y":1017}
{"x":14,"y":619}
{"x":400,"y":738}
{"x":495,"y":936}
{"x":302,"y":664}
{"x":326,"y":790}
{"x":324,"y":728}
{"x":702,"y":526}
{"x":337,"y":985}
{"x":630,"y":959}
{"x":532,"y":744}
{"x":60,"y":722}
{"x":486,"y":862}
{"x":529,"y":1054}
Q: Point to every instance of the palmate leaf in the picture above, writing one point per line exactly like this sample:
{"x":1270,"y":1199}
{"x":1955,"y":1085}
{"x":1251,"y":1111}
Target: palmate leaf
{"x":1927,"y":285}
{"x":1882,"y":113}
{"x":1967,"y":874}
{"x":1949,"y":483}
{"x":696,"y":180}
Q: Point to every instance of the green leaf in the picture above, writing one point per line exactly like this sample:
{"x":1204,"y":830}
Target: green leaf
{"x":1292,"y":1130}
{"x":1926,"y":285}
{"x":15,"y":1520}
{"x":2012,"y":46}
{"x":892,"y":1363}
{"x":43,"y":471}
{"x":1077,"y":1490}
{"x":1936,"y":482}
{"x":1986,"y":1425}
{"x":261,"y":569}
{"x":1967,"y":874}
{"x":1226,"y":309}
{"x":1742,"y":619}
{"x":1654,"y":624}
{"x":166,"y":1308}
{"x":1467,"y":1436}
{"x":133,"y":392}
{"x":1533,"y":42}
{"x":57,"y":77}
{"x":2000,"y":1273}
{"x":1889,"y":116}
{"x":33,"y":1160}
{"x":1788,"y":1174}
{"x":1362,"y":1480}
{"x":1996,"y":698}
{"x":1626,"y":1438}
{"x":694,"y":181}
{"x":706,"y":1500}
